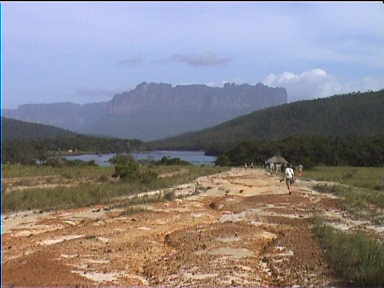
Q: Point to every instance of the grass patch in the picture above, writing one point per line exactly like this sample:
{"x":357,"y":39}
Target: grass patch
{"x":359,"y":201}
{"x":364,"y":177}
{"x":360,"y":190}
{"x":91,"y":194}
{"x":14,"y":170}
{"x":24,"y":182}
{"x":356,"y":258}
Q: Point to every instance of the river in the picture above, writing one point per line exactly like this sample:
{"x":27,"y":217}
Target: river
{"x":194,"y":157}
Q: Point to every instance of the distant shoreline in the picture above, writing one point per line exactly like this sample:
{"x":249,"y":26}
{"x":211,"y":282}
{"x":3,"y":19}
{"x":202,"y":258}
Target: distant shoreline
{"x":72,"y":153}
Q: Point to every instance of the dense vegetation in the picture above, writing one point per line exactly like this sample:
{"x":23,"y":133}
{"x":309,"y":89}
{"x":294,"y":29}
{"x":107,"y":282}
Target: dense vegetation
{"x":310,"y":151}
{"x":25,"y":142}
{"x":171,"y":161}
{"x":357,"y":114}
{"x":27,"y":151}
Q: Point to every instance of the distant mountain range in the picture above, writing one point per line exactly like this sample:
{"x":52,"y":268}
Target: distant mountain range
{"x":155,"y":110}
{"x":354,"y":114}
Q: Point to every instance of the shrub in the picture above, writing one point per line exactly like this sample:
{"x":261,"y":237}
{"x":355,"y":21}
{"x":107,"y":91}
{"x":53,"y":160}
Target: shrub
{"x":223,"y":160}
{"x":146,"y":176}
{"x":130,"y":170}
{"x":127,"y":172}
{"x":103,"y":178}
{"x":355,"y":257}
{"x":55,"y":162}
{"x":172,"y":161}
{"x":378,"y":187}
{"x":122,"y":159}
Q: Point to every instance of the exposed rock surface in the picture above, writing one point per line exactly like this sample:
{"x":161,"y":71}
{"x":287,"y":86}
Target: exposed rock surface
{"x":155,"y":110}
{"x":259,"y":238}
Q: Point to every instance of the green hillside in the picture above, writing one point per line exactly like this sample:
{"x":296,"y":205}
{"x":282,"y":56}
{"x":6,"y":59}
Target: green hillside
{"x":16,"y":129}
{"x":354,"y":114}
{"x":24,"y":142}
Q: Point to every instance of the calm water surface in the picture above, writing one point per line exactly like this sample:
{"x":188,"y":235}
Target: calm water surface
{"x":195,"y":157}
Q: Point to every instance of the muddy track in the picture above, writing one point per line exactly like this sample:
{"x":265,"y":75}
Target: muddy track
{"x":243,"y":229}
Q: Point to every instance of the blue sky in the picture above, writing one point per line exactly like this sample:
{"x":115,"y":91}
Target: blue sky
{"x":86,"y":52}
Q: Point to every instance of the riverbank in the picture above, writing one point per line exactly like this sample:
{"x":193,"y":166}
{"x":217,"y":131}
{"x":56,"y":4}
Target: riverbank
{"x":193,"y":157}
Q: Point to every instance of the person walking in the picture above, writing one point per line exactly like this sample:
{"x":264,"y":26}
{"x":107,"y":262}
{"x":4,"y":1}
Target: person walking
{"x":300,"y":169}
{"x":289,"y":176}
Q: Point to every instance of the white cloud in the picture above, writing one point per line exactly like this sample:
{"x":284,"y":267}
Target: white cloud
{"x":318,"y":83}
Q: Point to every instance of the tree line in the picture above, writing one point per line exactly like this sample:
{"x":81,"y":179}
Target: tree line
{"x":359,"y":114}
{"x":27,"y":151}
{"x":310,"y":151}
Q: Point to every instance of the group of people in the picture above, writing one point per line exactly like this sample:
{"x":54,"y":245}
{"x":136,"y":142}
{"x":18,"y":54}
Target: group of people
{"x":248,"y":165}
{"x":277,"y":168}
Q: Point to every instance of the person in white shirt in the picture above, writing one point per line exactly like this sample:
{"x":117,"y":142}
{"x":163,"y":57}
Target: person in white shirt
{"x":289,"y":176}
{"x":300,"y":168}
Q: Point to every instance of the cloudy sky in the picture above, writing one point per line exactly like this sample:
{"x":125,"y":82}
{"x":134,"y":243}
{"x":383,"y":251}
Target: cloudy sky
{"x":86,"y":51}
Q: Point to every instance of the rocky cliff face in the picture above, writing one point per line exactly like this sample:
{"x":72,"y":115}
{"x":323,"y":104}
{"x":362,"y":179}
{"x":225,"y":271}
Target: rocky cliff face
{"x":155,"y":110}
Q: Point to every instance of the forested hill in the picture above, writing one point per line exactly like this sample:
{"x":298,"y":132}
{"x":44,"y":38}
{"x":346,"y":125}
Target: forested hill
{"x":357,"y":114}
{"x":16,"y":129}
{"x":24,"y":142}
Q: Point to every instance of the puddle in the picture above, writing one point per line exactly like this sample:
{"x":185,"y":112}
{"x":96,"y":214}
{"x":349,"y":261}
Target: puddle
{"x":232,"y":252}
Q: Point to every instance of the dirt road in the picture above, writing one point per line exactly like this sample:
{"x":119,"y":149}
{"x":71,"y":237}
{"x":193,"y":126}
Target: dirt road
{"x":242,"y":229}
